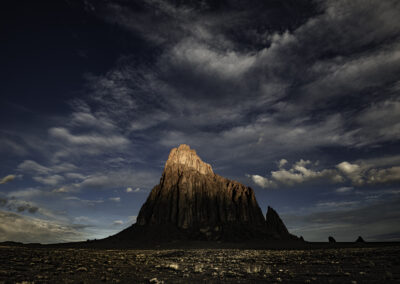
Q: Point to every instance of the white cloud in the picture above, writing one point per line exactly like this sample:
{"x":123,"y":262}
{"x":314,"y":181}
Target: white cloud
{"x":61,"y":190}
{"x":115,"y":199}
{"x":389,"y":175}
{"x":344,"y":189}
{"x":118,"y":222}
{"x":262,"y":181}
{"x":130,"y":189}
{"x":229,"y":64}
{"x":372,"y":171}
{"x":352,"y":171}
{"x":7,"y":178}
{"x":299,"y":173}
{"x":282,"y":163}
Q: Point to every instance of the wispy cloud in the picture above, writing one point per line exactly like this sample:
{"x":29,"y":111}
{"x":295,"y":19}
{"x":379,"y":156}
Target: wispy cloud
{"x":115,"y":199}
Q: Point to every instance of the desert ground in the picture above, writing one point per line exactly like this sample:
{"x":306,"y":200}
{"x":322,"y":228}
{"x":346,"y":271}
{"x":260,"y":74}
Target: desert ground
{"x":74,"y":265}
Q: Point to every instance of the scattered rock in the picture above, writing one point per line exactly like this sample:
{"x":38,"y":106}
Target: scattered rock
{"x":372,"y":264}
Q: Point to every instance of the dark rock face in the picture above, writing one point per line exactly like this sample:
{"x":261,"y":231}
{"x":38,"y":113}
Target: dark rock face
{"x":360,"y":240}
{"x":275,"y":226}
{"x":191,"y":202}
{"x":331,"y":239}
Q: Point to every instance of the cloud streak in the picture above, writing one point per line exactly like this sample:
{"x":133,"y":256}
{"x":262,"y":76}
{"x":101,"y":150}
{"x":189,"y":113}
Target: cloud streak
{"x":7,"y":178}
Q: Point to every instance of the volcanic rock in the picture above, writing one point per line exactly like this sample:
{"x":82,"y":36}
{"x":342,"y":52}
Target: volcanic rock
{"x":191,"y":197}
{"x":192,"y":202}
{"x":360,"y":240}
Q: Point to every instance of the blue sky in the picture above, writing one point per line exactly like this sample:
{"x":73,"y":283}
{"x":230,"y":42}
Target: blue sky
{"x":297,"y":99}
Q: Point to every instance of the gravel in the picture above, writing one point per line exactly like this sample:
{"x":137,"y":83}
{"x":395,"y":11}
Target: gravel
{"x":343,"y":265}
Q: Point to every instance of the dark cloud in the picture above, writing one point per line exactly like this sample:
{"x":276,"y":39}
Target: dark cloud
{"x":18,"y":206}
{"x":27,"y":207}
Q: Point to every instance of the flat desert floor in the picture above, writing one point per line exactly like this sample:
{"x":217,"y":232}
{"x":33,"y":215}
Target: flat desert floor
{"x":66,"y":265}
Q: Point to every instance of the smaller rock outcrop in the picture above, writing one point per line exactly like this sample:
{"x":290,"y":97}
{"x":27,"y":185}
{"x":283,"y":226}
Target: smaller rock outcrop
{"x":275,"y":226}
{"x":360,"y":240}
{"x":331,"y":239}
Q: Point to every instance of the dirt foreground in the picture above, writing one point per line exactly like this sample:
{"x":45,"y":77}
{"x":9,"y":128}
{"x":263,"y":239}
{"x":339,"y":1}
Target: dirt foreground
{"x":72,"y":265}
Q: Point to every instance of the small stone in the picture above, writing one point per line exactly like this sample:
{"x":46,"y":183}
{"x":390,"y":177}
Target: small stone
{"x":82,"y":269}
{"x":388,"y":275}
{"x":156,"y":281}
{"x":198,"y":268}
{"x":173,"y":266}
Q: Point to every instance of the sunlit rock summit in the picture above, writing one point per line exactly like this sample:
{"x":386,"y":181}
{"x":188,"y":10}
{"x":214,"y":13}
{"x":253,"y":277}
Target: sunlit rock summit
{"x":192,"y":202}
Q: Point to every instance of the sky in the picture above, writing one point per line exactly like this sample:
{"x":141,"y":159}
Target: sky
{"x":298,"y":99}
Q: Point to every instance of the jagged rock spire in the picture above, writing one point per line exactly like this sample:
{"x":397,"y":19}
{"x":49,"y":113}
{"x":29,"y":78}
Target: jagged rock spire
{"x":275,"y":225}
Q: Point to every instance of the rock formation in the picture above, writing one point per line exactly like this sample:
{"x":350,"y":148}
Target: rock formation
{"x":194,"y":203}
{"x":360,"y":240}
{"x":331,"y":239}
{"x":275,"y":226}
